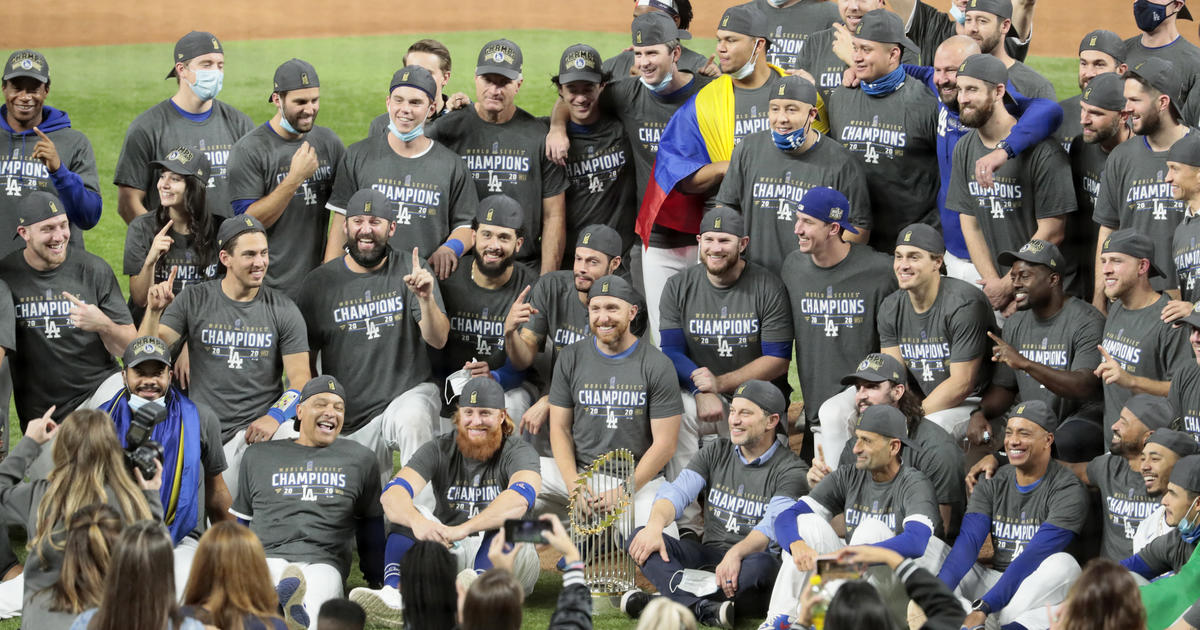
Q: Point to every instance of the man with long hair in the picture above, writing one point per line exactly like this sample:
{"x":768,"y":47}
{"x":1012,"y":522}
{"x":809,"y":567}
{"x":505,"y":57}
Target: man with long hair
{"x":479,"y":477}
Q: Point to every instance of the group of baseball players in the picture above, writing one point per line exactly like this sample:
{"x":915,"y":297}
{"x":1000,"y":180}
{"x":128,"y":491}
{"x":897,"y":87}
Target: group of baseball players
{"x":956,"y":263}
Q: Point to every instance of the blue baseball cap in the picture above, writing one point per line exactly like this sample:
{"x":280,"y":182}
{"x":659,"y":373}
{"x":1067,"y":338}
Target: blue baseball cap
{"x":828,"y":205}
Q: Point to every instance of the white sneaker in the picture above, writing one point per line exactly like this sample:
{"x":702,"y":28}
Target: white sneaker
{"x":383,"y":606}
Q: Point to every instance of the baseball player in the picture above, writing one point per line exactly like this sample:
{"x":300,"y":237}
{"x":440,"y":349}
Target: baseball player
{"x":747,"y":480}
{"x":937,"y":326}
{"x":770,"y":172}
{"x":1033,"y":508}
{"x":835,"y":289}
{"x":1163,"y":449}
{"x":41,"y":151}
{"x":1158,"y":21}
{"x":429,"y":183}
{"x":929,"y":27}
{"x":1171,"y":551}
{"x":901,"y":169}
{"x":1100,"y":52}
{"x":435,"y":58}
{"x":504,"y":150}
{"x":1183,"y":174}
{"x":817,"y":55}
{"x":1140,"y":351}
{"x":241,"y":338}
{"x":611,"y":391}
{"x":886,"y":502}
{"x":989,"y":22}
{"x":282,"y":173}
{"x":479,"y":295}
{"x":192,"y":117}
{"x":791,"y":24}
{"x":679,"y":13}
{"x":307,"y":498}
{"x":372,"y":318}
{"x":481,"y":476}
{"x":1131,"y":195}
{"x":1184,"y":391}
{"x":1029,"y":196}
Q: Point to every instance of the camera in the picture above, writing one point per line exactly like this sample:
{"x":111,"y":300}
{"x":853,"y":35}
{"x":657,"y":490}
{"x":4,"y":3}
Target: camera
{"x":140,"y":451}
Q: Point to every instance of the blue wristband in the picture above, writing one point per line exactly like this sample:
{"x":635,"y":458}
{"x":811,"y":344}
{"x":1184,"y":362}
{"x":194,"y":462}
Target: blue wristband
{"x":457,"y":246}
{"x":398,"y":481}
{"x":284,"y":409}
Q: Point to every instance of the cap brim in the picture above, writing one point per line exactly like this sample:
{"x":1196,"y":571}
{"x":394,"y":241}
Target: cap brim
{"x":171,"y":73}
{"x":174,"y":168}
{"x":1007,"y":258}
{"x":590,"y":77}
{"x":682,"y":34}
{"x":26,"y":73}
{"x":870,"y":377}
{"x":1193,"y":320}
{"x":141,"y":360}
{"x":503,"y":71}
{"x":1184,"y":14}
{"x":1155,"y":271}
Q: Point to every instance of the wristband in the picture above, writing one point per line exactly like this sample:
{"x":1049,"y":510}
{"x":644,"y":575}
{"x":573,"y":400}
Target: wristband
{"x":526,"y":491}
{"x":285,"y":407}
{"x":399,"y":481}
{"x":578,"y":564}
{"x":456,"y":245}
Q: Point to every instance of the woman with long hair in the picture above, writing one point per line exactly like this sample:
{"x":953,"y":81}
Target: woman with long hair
{"x":91,"y":534}
{"x":230,"y":586}
{"x":1103,"y":597}
{"x":178,"y":231}
{"x":139,"y":593}
{"x":89,"y":467}
{"x":431,"y":600}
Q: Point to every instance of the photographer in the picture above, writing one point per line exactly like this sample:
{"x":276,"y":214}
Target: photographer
{"x":153,"y":419}
{"x":88,"y":468}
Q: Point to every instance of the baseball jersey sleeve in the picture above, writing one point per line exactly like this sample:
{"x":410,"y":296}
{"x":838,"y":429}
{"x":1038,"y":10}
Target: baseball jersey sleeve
{"x":665,"y":399}
{"x":968,"y":331}
{"x":212,"y":452}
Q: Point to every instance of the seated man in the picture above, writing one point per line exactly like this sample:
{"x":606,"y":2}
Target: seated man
{"x":1169,"y":552}
{"x":479,"y":476}
{"x":1033,"y":508}
{"x":886,"y":502}
{"x":1164,"y":448}
{"x":750,"y":477}
{"x":307,"y":498}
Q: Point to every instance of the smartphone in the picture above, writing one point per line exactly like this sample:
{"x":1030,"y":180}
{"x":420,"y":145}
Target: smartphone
{"x":830,"y":569}
{"x":526,"y":530}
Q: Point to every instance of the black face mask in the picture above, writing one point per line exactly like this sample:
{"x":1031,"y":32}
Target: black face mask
{"x":1148,"y":15}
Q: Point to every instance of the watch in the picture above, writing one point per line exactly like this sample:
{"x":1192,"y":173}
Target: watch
{"x":981,"y":606}
{"x":1003,"y":145}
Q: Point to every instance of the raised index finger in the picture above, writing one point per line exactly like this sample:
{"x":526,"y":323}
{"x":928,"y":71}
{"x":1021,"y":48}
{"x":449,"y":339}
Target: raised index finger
{"x":166,"y":228}
{"x":416,"y":261}
{"x":171,"y":278}
{"x":41,"y":135}
{"x":74,"y":300}
{"x":524,"y":293}
{"x":1104,"y":353}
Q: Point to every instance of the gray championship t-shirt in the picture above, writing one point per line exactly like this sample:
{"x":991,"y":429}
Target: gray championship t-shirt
{"x":1034,"y":185}
{"x":1126,"y":502}
{"x":860,"y":497}
{"x":258,"y":163}
{"x":953,"y":330}
{"x":725,"y":328}
{"x":54,"y":362}
{"x":790,"y":27}
{"x":600,"y":182}
{"x":163,"y":127}
{"x":766,"y":186}
{"x":1070,"y":127}
{"x":365,"y":326}
{"x":834,"y":310}
{"x":1058,"y":499}
{"x":302,"y":502}
{"x":1079,"y":243}
{"x":738,"y":493}
{"x":464,"y":487}
{"x":1168,"y":552}
{"x":929,"y":27}
{"x":433,"y":192}
{"x":750,"y":108}
{"x":1144,"y":346}
{"x":191,"y":266}
{"x":477,"y":316}
{"x":236,"y":349}
{"x":818,"y":58}
{"x":1029,"y":83}
{"x":1186,"y":253}
{"x":1184,"y":396}
{"x":559,"y":315}
{"x":508,"y":158}
{"x":895,"y":136}
{"x":1066,"y":341}
{"x":614,"y":399}
{"x":1134,"y":195}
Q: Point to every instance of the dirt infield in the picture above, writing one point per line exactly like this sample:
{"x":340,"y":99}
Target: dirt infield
{"x":1059,"y":23}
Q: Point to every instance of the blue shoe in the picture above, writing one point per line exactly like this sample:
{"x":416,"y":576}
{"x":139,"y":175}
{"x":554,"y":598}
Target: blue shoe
{"x":291,"y":590}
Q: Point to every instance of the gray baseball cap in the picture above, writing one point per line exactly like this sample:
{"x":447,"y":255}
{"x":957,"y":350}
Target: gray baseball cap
{"x":482,"y":391}
{"x":881,"y":25}
{"x":323,"y":384}
{"x":500,"y":211}
{"x":1037,"y":412}
{"x":1038,"y":252}
{"x":27,"y":63}
{"x":1192,"y":319}
{"x":885,"y":420}
{"x":999,"y":8}
{"x":1186,"y":473}
{"x":765,"y":395}
{"x":233,"y":226}
{"x":985,"y":68}
{"x":38,"y":206}
{"x":185,"y":160}
{"x":725,"y":220}
{"x":193,"y":45}
{"x":1132,"y":243}
{"x":579,"y":63}
{"x":1153,"y":411}
{"x":1186,"y":150}
{"x":414,"y":76}
{"x":654,"y":28}
{"x":1106,"y":91}
{"x":372,"y":203}
{"x":500,"y":56}
{"x":876,"y":368}
{"x":794,"y":88}
{"x":294,"y":74}
{"x":600,"y":238}
{"x":1179,"y":442}
{"x":924,"y":237}
{"x":614,"y":286}
{"x":745,"y":19}
{"x":145,"y":349}
{"x":1161,"y":75}
{"x":1106,"y":42}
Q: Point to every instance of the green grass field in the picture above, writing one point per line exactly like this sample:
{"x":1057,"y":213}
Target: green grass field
{"x":104,"y":88}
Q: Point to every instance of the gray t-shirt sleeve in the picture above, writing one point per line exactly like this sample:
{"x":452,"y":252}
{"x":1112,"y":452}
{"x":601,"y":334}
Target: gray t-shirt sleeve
{"x":831,"y":491}
{"x":730,"y":192}
{"x":248,"y":172}
{"x":8,"y":318}
{"x":665,"y":399}
{"x":1070,"y":505}
{"x":111,"y":301}
{"x":212,"y":452}
{"x":177,"y":312}
{"x":554,"y":177}
{"x":136,"y":154}
{"x":968,"y":332}
{"x":137,"y":245}
{"x":776,"y":318}
{"x":918,"y":496}
{"x":1088,"y":335}
{"x":560,"y":385}
{"x":1109,"y":201}
{"x":243,"y":499}
{"x":425,"y":461}
{"x":368,"y":505}
{"x":958,"y":195}
{"x":1177,"y":350}
{"x":343,"y":184}
{"x":886,"y":324}
{"x":1053,"y":187}
{"x":464,"y":199}
{"x":669,"y":316}
{"x":293,"y":336}
{"x":1161,"y":553}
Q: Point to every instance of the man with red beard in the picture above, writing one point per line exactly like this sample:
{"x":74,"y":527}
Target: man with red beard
{"x":375,"y":333}
{"x":480,"y":478}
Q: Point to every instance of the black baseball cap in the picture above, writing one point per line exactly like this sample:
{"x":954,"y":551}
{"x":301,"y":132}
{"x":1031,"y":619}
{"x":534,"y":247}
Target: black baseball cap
{"x":1106,"y":42}
{"x":193,"y":45}
{"x":827,"y":205}
{"x":765,"y":395}
{"x":579,"y":63}
{"x":877,"y":368}
{"x":999,"y":8}
{"x":145,"y":349}
{"x":500,"y":211}
{"x":1186,"y":473}
{"x":1037,"y":412}
{"x":614,"y":286}
{"x":725,"y":220}
{"x":1161,"y":75}
{"x":294,"y":74}
{"x":924,"y":237}
{"x":1132,"y":243}
{"x":985,"y":68}
{"x":1038,"y":252}
{"x":885,"y":420}
{"x":27,"y":63}
{"x":38,"y":206}
{"x":372,"y":203}
{"x":233,"y":226}
{"x":1192,"y":319}
{"x":1153,"y":411}
{"x":1106,"y":91}
{"x":794,"y":88}
{"x":185,"y":160}
{"x":881,"y":25}
{"x":482,"y":391}
{"x":654,"y":28}
{"x":1186,"y":150}
{"x":601,"y":238}
{"x":323,"y":384}
{"x":500,"y":56}
{"x":745,"y":19}
{"x":1179,"y":442}
{"x":414,"y":76}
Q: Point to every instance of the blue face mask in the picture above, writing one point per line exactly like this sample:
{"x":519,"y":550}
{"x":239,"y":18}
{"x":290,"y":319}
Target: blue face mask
{"x":406,"y":137}
{"x":287,"y":126}
{"x":208,"y":84}
{"x":958,"y":14}
{"x":1148,"y":15}
{"x":137,"y":402}
{"x":1189,"y":529}
{"x":790,"y":141}
{"x":660,"y":86}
